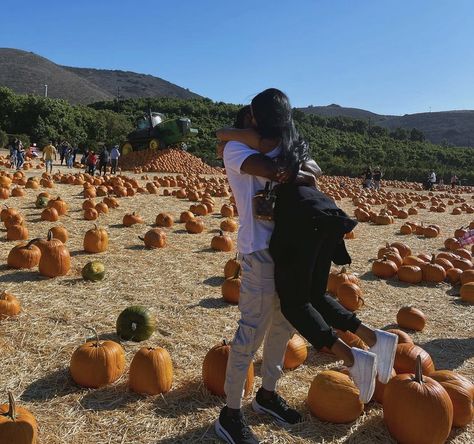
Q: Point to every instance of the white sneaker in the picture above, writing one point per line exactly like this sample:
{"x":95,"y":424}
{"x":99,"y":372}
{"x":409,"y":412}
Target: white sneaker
{"x":363,"y":373}
{"x":385,"y":349}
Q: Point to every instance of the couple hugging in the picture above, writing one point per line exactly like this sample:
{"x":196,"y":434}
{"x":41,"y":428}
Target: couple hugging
{"x":285,"y":266}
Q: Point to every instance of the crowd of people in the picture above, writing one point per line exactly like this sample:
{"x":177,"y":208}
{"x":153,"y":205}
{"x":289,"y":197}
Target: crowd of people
{"x":372,"y":179}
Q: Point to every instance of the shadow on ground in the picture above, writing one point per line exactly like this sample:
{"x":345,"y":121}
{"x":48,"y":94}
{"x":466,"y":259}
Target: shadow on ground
{"x":54,"y":384}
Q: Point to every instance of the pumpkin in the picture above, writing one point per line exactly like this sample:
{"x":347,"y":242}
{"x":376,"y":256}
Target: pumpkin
{"x":231,"y":289}
{"x":229,"y":225}
{"x":154,"y":238}
{"x":7,"y":212}
{"x":55,"y":259}
{"x":338,"y":277}
{"x":93,"y":271}
{"x":380,"y":389}
{"x":433,"y":272}
{"x":135,"y":323}
{"x":17,"y":425}
{"x":333,"y":397}
{"x":462,"y":263}
{"x":405,"y":359}
{"x":194,"y":226}
{"x":417,"y":409}
{"x":232,"y":268}
{"x":445,"y":263}
{"x":50,"y":214}
{"x":164,"y":220}
{"x":24,"y":256}
{"x":461,"y":393}
{"x":59,"y":205}
{"x":214,"y":370}
{"x":9,"y":305}
{"x":453,"y":275}
{"x":467,"y":292}
{"x":91,"y":214}
{"x":384,"y":268}
{"x":88,"y":203}
{"x":102,"y":208}
{"x":411,"y":274}
{"x":411,"y":318}
{"x":296,"y":352}
{"x":403,"y":249}
{"x":350,"y":296}
{"x":60,"y":233}
{"x":227,"y":210}
{"x":403,"y":338}
{"x":405,"y":229}
{"x":385,"y":250}
{"x":17,"y":232}
{"x":151,"y":371}
{"x":131,"y":219}
{"x":222,"y":242}
{"x":97,"y":363}
{"x":467,"y":276}
{"x":185,"y":216}
{"x":96,"y":240}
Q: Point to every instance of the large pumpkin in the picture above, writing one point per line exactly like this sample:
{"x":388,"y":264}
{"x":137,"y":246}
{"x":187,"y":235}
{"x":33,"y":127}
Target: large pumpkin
{"x":214,"y":370}
{"x":24,"y":255}
{"x":296,"y":352}
{"x":333,"y":397}
{"x":97,"y":363}
{"x":96,"y":240}
{"x":417,"y":409}
{"x":406,"y":356}
{"x":55,"y":258}
{"x":151,"y":371}
{"x":9,"y":305}
{"x":461,"y":393}
{"x":222,"y":242}
{"x":135,"y":323}
{"x":17,"y":425}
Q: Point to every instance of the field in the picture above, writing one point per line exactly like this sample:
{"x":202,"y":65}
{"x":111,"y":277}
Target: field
{"x":181,"y":285}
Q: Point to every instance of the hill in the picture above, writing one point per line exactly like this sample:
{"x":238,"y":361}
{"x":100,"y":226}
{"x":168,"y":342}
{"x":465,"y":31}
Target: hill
{"x":27,"y":73}
{"x":130,"y":84}
{"x":446,"y":127}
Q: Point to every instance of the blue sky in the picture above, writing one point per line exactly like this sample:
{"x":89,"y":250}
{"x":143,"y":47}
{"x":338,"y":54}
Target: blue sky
{"x":387,"y":56}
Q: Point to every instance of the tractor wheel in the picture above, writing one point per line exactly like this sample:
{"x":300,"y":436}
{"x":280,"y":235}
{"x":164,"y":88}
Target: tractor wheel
{"x":154,"y":144}
{"x":126,"y":148}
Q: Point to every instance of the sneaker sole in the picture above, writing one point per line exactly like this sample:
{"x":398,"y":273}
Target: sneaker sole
{"x":222,"y":433}
{"x":257,"y":408}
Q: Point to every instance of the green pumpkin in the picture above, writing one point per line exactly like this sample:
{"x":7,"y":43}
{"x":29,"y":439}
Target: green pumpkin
{"x":41,"y":202}
{"x":135,"y":323}
{"x":93,"y":271}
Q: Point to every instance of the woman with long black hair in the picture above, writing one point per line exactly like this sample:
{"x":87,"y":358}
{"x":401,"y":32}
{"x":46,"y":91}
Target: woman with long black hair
{"x":302,"y":260}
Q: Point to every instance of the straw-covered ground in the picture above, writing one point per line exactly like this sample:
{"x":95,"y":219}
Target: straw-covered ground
{"x":181,"y":285}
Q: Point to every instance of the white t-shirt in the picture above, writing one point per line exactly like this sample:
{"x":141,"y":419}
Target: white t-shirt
{"x":433,"y":177}
{"x":114,"y":154}
{"x":254,"y":234}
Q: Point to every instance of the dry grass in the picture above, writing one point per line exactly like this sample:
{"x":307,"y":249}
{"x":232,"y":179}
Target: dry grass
{"x":181,"y":284}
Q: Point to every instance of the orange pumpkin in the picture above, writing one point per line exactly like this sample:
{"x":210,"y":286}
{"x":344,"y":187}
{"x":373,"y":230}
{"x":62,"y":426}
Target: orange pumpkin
{"x":405,"y":359}
{"x":411,"y":318}
{"x":154,"y":238}
{"x":17,"y":425}
{"x":9,"y":305}
{"x":55,"y":259}
{"x":222,"y":242}
{"x":296,"y":352}
{"x":96,"y":240}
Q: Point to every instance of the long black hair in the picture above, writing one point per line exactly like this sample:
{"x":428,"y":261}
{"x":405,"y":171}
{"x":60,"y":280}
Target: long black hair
{"x":272,"y":112}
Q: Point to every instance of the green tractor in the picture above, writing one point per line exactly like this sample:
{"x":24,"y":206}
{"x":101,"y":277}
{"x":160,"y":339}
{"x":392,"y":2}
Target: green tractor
{"x":155,"y":132}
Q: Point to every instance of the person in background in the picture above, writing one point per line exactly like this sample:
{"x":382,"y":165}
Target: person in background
{"x":433,"y":179}
{"x":91,"y":162}
{"x":104,"y":160}
{"x":377,"y":178}
{"x":454,"y":180}
{"x":441,"y":182}
{"x":69,"y":156}
{"x":49,"y":151}
{"x":75,"y":150}
{"x":368,"y":178}
{"x":114,"y":158}
{"x":62,"y":151}
{"x":20,"y":155}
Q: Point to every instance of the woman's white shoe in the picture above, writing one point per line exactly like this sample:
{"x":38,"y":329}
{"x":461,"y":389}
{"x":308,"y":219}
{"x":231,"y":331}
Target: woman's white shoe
{"x":363,"y":372}
{"x":385,"y":349}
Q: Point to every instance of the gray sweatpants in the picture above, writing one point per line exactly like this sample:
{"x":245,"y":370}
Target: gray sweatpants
{"x":260,"y":318}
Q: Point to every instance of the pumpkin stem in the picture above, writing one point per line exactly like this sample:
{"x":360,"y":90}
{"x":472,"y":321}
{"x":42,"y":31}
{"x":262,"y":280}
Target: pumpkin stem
{"x":50,"y":235}
{"x":224,"y":342}
{"x":32,"y":241}
{"x":11,"y":407}
{"x":93,"y":330}
{"x":418,"y":370}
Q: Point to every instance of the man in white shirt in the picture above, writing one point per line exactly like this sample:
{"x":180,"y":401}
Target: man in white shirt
{"x":114,"y":158}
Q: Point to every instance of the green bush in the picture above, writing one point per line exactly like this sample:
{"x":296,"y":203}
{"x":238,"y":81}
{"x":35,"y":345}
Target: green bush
{"x":3,"y":139}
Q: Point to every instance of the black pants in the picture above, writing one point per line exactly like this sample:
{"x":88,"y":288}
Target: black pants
{"x":114,"y":163}
{"x":301,"y":279}
{"x":104,"y":167}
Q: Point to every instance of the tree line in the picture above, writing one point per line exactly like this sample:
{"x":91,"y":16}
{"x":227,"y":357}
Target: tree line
{"x":342,"y":146}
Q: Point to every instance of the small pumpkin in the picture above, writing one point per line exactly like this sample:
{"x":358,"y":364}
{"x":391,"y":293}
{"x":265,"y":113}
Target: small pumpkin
{"x":411,"y":274}
{"x":231,"y":289}
{"x":91,"y":214}
{"x":154,"y":238}
{"x":214,"y":369}
{"x":467,"y":293}
{"x":296,"y":352}
{"x":50,"y":214}
{"x":350,"y":296}
{"x":151,"y":371}
{"x":403,"y":249}
{"x":229,"y":225}
{"x":338,"y":277}
{"x":24,"y":256}
{"x":135,"y":323}
{"x":131,"y":219}
{"x":17,"y":232}
{"x":411,"y":318}
{"x":222,"y":242}
{"x":185,"y":216}
{"x":433,"y":272}
{"x":93,"y":271}
{"x":232,"y":268}
{"x":60,"y":232}
{"x":96,"y":240}
{"x":97,"y":363}
{"x":164,"y":220}
{"x":403,"y":338}
{"x":384,"y":268}
{"x":9,"y":306}
{"x":17,"y":424}
{"x":333,"y":397}
{"x":194,"y":225}
{"x":405,"y":359}
{"x":59,"y":205}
